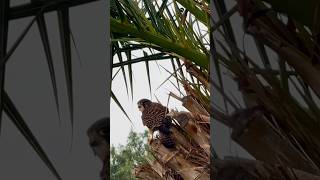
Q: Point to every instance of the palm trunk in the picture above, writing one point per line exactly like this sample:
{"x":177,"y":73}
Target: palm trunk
{"x":190,"y":159}
{"x":146,"y":172}
{"x":236,"y":168}
{"x":254,"y":133}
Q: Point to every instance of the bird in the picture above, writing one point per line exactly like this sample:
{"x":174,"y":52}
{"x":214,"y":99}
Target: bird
{"x":154,"y":116}
{"x":99,"y":133}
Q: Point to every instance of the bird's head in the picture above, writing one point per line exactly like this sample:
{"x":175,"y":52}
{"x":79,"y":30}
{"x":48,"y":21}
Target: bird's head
{"x":143,"y":104}
{"x":98,"y":134}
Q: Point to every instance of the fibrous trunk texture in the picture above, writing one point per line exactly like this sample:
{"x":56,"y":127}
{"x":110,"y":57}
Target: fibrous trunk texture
{"x":243,"y":169}
{"x":190,"y":159}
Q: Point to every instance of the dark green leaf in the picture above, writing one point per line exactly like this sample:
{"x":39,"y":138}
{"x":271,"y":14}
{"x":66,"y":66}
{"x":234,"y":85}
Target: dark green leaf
{"x":46,"y":44}
{"x":119,"y":104}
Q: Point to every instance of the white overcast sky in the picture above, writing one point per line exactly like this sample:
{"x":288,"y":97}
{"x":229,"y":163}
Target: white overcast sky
{"x":120,"y":125}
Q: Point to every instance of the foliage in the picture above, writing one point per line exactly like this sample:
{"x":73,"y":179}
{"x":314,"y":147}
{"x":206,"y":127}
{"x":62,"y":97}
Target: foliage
{"x":125,"y":157}
{"x":282,"y":82}
{"x":162,"y":26}
{"x":172,"y":31}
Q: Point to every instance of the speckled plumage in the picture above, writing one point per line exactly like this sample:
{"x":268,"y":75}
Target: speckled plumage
{"x":153,"y":116}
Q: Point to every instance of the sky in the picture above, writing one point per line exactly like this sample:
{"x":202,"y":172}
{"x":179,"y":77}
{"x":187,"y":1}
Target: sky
{"x":159,"y":91}
{"x":120,"y":125}
{"x":29,"y":86}
{"x":221,"y":134}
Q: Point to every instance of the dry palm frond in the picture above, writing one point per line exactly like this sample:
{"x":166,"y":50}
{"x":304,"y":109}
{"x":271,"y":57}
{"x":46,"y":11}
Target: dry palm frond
{"x":191,"y":157}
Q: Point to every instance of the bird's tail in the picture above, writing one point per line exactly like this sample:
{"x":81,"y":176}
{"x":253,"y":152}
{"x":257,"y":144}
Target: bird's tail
{"x":167,"y":140}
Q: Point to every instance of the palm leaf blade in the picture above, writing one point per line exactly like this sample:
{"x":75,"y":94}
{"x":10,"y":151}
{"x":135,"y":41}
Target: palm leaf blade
{"x":4,"y":9}
{"x":119,"y":104}
{"x":46,"y":44}
{"x":18,"y":120}
{"x":64,"y":27}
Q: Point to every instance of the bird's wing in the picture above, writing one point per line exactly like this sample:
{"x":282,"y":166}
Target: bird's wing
{"x":161,"y":108}
{"x":153,"y":115}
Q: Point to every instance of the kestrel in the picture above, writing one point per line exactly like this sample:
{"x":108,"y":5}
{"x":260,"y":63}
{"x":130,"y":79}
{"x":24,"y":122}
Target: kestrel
{"x":154,"y":116}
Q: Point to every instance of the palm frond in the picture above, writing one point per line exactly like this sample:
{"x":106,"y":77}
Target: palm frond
{"x":119,"y":104}
{"x":18,"y":120}
{"x":37,"y":10}
{"x":46,"y":45}
{"x":4,"y":13}
{"x":64,"y":27}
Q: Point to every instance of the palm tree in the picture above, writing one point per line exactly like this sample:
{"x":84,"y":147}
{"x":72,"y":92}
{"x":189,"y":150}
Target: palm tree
{"x":164,"y":30}
{"x":160,"y":32}
{"x":276,"y":118}
{"x":276,"y":121}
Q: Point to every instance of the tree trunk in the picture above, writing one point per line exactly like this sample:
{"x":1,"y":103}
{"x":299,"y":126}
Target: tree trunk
{"x":146,"y":172}
{"x":255,"y":134}
{"x":176,"y":160}
{"x":243,"y":169}
{"x":190,"y":124}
